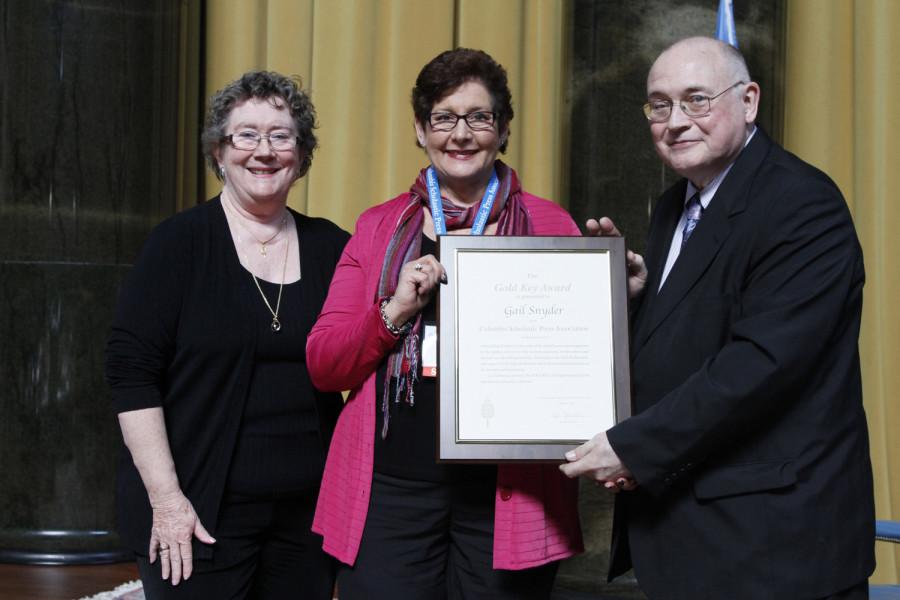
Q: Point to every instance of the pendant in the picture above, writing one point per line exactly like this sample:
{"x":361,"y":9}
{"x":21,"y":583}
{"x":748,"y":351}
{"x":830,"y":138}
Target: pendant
{"x":262,"y":249}
{"x":276,"y":325}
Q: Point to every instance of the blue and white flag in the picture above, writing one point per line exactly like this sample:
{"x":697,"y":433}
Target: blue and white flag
{"x":725,"y":24}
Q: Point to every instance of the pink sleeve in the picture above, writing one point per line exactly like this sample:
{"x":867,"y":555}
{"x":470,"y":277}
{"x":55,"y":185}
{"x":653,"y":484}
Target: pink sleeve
{"x":349,"y":339}
{"x":548,"y":218}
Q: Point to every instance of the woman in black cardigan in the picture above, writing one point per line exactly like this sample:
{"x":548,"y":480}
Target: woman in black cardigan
{"x":206,"y":361}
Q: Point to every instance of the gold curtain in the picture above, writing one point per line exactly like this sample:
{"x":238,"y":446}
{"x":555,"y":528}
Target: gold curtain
{"x":842,"y":79}
{"x":359,"y":60}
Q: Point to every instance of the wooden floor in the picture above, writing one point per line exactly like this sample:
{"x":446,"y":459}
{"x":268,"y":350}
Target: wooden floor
{"x":19,"y":582}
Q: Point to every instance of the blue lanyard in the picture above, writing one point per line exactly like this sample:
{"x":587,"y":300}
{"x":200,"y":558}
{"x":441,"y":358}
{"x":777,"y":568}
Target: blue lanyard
{"x":437,"y":211}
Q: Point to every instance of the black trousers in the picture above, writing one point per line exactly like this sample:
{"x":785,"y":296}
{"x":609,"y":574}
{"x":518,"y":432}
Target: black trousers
{"x":434,"y":541}
{"x":264,"y":550}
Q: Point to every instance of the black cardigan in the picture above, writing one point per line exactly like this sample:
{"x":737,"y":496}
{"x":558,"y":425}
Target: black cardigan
{"x":165,"y":349}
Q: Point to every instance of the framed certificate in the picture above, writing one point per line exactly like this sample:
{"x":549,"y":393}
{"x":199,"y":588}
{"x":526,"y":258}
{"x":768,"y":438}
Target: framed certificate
{"x":532,"y":345}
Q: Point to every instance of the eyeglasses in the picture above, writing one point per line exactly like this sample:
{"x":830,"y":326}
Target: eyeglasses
{"x":249,"y":140}
{"x":478,"y":120}
{"x":695,"y":105}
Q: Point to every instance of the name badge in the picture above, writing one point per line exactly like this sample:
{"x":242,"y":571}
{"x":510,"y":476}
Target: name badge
{"x":429,"y":351}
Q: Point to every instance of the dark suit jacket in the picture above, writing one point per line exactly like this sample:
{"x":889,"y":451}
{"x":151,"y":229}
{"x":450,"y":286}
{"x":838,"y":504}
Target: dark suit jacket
{"x":181,"y":339}
{"x":749,"y":441}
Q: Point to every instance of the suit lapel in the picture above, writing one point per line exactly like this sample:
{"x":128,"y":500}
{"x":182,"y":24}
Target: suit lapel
{"x":693,"y":261}
{"x":670,"y":207}
{"x":662,"y":227}
{"x":714,"y":228}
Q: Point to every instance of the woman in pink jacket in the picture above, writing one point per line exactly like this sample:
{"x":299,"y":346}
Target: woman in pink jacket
{"x":403,"y":525}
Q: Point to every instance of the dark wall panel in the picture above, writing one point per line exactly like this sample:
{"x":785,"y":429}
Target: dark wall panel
{"x":88,"y":124}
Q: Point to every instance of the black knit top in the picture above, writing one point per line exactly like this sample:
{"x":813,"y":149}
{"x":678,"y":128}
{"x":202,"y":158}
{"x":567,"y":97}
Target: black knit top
{"x":189,"y":336}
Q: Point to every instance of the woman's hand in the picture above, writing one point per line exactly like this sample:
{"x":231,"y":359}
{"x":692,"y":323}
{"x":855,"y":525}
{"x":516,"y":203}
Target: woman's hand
{"x":418,"y":281}
{"x":175,"y":523}
{"x":637,"y":270}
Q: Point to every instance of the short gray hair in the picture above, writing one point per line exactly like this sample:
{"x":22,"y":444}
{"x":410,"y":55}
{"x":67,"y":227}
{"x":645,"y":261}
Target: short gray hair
{"x":265,"y":85}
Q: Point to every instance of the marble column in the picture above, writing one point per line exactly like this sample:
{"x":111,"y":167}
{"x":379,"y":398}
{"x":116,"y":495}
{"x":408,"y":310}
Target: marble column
{"x":614,"y":170}
{"x":88,"y":124}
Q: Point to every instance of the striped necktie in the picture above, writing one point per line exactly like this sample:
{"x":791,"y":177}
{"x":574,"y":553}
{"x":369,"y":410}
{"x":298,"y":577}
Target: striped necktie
{"x":692,"y":211}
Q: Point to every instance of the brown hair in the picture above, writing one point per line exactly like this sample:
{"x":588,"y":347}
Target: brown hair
{"x":452,"y":68}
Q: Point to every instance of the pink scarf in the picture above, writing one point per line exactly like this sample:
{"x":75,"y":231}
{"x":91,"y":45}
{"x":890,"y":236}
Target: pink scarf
{"x":406,"y":245}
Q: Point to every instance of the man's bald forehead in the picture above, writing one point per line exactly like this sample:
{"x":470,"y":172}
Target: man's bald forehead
{"x":727,"y":56}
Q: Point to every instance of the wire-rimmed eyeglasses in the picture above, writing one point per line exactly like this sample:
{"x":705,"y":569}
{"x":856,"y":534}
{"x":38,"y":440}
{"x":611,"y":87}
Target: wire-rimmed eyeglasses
{"x":250,"y":140}
{"x":695,"y":105}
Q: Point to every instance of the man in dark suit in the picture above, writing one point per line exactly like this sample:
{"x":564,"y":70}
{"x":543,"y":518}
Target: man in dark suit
{"x":745,"y":470}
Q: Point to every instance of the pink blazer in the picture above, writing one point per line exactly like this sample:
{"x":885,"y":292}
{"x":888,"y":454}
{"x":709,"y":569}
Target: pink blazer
{"x":536,"y":510}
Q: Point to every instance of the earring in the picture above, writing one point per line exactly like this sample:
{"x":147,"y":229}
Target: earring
{"x":222,"y":171}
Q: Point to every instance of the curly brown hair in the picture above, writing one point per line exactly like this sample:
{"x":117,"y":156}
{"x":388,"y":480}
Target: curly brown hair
{"x":265,"y":85}
{"x":452,"y":68}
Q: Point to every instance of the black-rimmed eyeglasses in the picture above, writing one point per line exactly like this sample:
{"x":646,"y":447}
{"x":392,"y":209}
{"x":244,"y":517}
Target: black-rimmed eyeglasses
{"x":695,"y":105}
{"x":478,"y":120}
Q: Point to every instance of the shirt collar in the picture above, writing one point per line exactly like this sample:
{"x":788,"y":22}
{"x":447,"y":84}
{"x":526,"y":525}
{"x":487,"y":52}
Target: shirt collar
{"x":707,"y":193}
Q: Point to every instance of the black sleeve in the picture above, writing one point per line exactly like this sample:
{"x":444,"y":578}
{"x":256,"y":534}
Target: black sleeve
{"x":142,"y":340}
{"x":338,"y":238}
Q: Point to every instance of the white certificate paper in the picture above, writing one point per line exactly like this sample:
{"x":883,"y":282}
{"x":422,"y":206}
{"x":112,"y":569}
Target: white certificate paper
{"x":535,"y":362}
{"x":532,"y":346}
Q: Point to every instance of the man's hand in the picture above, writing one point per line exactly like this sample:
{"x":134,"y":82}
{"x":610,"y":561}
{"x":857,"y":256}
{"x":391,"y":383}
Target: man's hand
{"x":595,"y":459}
{"x":637,"y":270}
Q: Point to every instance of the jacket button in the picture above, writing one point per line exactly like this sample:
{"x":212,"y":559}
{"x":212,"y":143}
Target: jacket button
{"x":505,"y":493}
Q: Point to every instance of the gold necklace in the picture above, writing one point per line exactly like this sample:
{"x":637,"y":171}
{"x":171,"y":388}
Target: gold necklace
{"x":262,"y":243}
{"x":276,"y":324}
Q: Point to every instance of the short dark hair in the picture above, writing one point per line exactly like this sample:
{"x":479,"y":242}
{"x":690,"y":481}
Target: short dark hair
{"x":264,"y":85}
{"x":452,"y":68}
